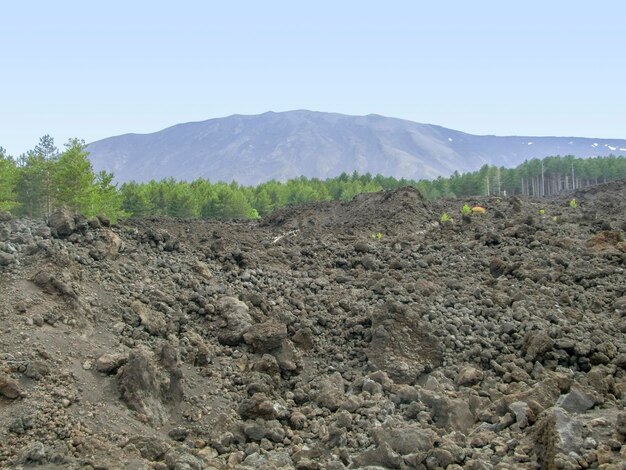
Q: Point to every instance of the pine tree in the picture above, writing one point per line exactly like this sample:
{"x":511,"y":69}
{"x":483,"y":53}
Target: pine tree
{"x":29,"y":186}
{"x":74,"y":181}
{"x":47,"y":156}
{"x":106,"y":199}
{"x":8,"y":180}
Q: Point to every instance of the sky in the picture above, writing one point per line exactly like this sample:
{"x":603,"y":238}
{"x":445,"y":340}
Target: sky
{"x":96,"y":69}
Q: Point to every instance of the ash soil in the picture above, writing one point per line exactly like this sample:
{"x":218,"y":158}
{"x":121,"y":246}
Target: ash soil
{"x":307,"y":341}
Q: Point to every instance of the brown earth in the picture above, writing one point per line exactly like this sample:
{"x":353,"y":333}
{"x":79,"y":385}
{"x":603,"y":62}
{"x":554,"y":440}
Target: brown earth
{"x":362,"y":334}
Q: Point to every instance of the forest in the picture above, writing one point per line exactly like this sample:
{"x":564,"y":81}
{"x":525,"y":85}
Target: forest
{"x":45,"y":178}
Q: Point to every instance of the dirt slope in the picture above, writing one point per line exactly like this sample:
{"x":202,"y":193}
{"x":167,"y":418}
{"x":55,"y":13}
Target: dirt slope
{"x":335,"y":335}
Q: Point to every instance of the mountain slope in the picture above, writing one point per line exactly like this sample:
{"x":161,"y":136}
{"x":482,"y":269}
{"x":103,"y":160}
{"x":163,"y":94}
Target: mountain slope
{"x":254,"y":149}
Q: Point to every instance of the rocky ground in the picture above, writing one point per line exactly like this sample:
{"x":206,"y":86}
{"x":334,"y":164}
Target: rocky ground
{"x":364,"y":334}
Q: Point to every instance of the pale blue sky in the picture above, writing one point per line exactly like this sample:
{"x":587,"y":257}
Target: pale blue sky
{"x":95,"y":69}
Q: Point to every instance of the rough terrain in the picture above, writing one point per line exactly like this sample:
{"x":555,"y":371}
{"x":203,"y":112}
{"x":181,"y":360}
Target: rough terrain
{"x":364,"y":334}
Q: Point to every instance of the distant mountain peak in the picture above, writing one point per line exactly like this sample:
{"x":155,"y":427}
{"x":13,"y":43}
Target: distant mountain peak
{"x":251,"y":149}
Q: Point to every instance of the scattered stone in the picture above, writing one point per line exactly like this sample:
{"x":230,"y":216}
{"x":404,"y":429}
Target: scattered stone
{"x":9,"y":388}
{"x":110,"y":363}
{"x":257,"y":406}
{"x":469,"y":376}
{"x":151,"y":448}
{"x":178,"y":433}
{"x":36,"y":370}
{"x":487,"y":345}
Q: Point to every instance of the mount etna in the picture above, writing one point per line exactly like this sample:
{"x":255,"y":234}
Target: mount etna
{"x":255,"y":149}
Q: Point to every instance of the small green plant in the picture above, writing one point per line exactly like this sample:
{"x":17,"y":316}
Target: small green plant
{"x":446,"y":219}
{"x":555,"y":218}
{"x":542,"y":212}
{"x":573,"y":204}
{"x":466,"y":209}
{"x":376,"y":236}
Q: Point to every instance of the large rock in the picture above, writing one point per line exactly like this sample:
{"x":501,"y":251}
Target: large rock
{"x":449,"y":413}
{"x":261,"y":429}
{"x":62,"y":223}
{"x":257,"y":406}
{"x":33,"y":454}
{"x":181,"y":459}
{"x":153,"y":321}
{"x":331,"y":392}
{"x":108,"y":246}
{"x":536,"y":344}
{"x":287,"y":356}
{"x":381,"y":456}
{"x":9,"y":388}
{"x":524,"y":416}
{"x":469,"y":376}
{"x":150,"y":448}
{"x":401,"y":344}
{"x":405,"y":438}
{"x":140,"y":386}
{"x":266,"y":337}
{"x":620,"y":423}
{"x":576,"y":401}
{"x":556,"y":435}
{"x":110,"y":363}
{"x":6,"y":259}
{"x":237,"y":321}
{"x":55,"y":284}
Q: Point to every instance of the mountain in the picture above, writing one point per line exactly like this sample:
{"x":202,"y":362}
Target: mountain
{"x":254,"y":149}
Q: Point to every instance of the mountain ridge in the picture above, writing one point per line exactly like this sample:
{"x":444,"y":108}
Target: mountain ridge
{"x":252,"y":149}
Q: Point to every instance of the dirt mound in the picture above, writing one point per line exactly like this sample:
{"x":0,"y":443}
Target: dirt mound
{"x":391,"y":212}
{"x":308,"y":340}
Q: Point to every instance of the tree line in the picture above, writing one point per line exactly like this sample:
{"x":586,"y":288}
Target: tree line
{"x":45,"y":178}
{"x":536,"y":177}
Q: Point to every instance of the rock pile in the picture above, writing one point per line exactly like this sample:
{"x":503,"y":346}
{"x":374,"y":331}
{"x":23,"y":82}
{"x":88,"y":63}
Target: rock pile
{"x":364,"y":334}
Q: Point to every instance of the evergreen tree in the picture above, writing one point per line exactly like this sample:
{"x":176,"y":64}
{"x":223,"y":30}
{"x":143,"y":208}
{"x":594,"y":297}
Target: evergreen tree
{"x":74,"y":180}
{"x":106,"y":199}
{"x":135,"y":199}
{"x":47,"y":158}
{"x":8,"y":180}
{"x":30,"y":185}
